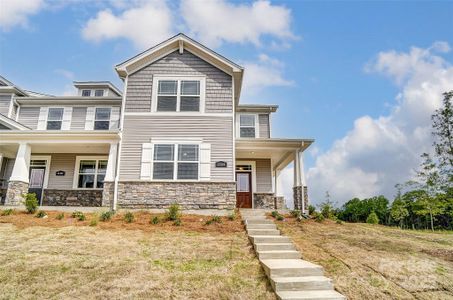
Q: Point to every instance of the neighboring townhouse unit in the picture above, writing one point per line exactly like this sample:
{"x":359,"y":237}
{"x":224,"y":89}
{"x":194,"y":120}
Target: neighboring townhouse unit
{"x":176,"y":133}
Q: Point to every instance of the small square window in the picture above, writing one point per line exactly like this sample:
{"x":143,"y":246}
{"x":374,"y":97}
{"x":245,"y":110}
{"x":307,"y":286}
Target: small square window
{"x":86,"y":93}
{"x":99,"y":93}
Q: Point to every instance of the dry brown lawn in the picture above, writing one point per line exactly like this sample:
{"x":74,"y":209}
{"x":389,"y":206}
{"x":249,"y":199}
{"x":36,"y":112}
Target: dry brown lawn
{"x":377,"y":262}
{"x":68,"y":259}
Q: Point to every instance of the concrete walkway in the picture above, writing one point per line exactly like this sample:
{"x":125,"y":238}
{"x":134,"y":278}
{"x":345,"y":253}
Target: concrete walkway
{"x":290,"y":276}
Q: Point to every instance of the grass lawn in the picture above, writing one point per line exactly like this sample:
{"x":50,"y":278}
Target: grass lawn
{"x":377,"y":262}
{"x":62,"y":259}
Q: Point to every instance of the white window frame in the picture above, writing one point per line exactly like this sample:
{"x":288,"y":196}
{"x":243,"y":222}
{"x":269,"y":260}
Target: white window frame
{"x":103,"y":92}
{"x":238,"y":125}
{"x":77,"y":171}
{"x":178,"y":78}
{"x":82,"y":90}
{"x":176,"y":159}
{"x":47,"y":116}
{"x":109,"y":120}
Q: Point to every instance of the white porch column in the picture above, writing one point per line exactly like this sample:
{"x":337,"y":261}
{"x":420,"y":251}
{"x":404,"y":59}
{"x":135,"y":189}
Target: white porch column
{"x":109,"y":180}
{"x":297,"y":171}
{"x":277,"y":183}
{"x":1,"y":160}
{"x":18,"y":182}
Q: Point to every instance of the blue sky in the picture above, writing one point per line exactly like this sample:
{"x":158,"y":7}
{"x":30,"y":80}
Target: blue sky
{"x":328,"y":64}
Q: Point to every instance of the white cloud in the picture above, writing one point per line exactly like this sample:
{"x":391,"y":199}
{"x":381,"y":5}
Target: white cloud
{"x":145,"y":24}
{"x":380,"y":152}
{"x":265,"y":72}
{"x":16,"y":12}
{"x":218,"y":21}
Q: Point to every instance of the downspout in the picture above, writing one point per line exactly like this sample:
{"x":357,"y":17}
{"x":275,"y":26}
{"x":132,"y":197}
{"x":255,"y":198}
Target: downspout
{"x":118,"y":156}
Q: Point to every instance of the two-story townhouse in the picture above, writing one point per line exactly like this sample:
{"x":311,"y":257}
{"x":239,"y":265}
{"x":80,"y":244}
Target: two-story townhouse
{"x":176,"y":133}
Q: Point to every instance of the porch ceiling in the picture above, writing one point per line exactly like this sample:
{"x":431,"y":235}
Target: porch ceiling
{"x":280,"y":151}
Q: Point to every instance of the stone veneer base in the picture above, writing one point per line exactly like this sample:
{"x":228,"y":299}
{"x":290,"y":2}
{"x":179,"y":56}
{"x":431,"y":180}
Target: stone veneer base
{"x":190,"y":195}
{"x":54,"y":197}
{"x":297,"y":196}
{"x":15,"y":192}
{"x":108,"y":194}
{"x":268,"y":201}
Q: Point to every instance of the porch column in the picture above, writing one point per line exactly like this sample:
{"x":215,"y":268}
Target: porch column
{"x":109,"y":180}
{"x":18,"y":182}
{"x":299,"y":182}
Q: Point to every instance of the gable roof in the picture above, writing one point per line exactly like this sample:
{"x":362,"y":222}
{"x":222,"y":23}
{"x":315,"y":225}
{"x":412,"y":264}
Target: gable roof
{"x":12,"y":124}
{"x":182,"y":42}
{"x":8,"y":86}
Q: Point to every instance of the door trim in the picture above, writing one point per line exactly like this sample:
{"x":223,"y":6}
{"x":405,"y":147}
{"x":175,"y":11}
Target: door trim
{"x":249,"y":192}
{"x":253,"y":171}
{"x":47,"y":158}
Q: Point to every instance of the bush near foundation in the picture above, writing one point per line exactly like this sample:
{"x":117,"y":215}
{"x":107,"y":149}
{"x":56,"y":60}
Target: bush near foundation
{"x":31,"y":202}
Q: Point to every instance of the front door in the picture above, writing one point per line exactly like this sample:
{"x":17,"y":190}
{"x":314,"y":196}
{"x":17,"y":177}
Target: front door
{"x":37,"y":181}
{"x":243,"y":189}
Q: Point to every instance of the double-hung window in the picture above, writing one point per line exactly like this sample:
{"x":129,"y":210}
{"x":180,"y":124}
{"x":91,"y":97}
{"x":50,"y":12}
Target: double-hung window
{"x":102,"y":118}
{"x":86,"y":93}
{"x":247,"y":126}
{"x":179,"y":95}
{"x":176,"y":162}
{"x":91,"y":173}
{"x":99,"y":93}
{"x":54,"y":118}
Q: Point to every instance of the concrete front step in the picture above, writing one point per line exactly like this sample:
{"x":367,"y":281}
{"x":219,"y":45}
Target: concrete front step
{"x":261,"y":226}
{"x":255,"y":232}
{"x":258,"y":239}
{"x":304,"y":283}
{"x":290,"y":268}
{"x":310,"y":295}
{"x":259,"y":221}
{"x":274,"y":246}
{"x":279,"y":254}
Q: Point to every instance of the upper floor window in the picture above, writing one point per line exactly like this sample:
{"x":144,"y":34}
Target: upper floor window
{"x":102,"y":118}
{"x":178,"y":161}
{"x":247,"y":126}
{"x":86,"y":93}
{"x":179,"y":95}
{"x":99,"y":93}
{"x":54,"y":118}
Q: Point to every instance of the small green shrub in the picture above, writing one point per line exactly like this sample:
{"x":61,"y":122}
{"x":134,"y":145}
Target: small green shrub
{"x":173,"y":212}
{"x":41,"y":214}
{"x":106,"y":216}
{"x":7,"y":212}
{"x":319,"y":217}
{"x":60,"y":216}
{"x":31,"y":202}
{"x":280,"y":217}
{"x":129,"y":217}
{"x":79,"y":215}
{"x":295,"y":213}
{"x":94,"y":221}
{"x":214,"y":219}
{"x":274,"y":213}
{"x":372,"y":218}
{"x":311,"y":209}
{"x":155,"y":220}
{"x":232,"y":216}
{"x":177,"y":222}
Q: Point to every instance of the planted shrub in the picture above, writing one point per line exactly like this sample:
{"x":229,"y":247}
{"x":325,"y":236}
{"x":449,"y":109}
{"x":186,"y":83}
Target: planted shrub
{"x":129,"y":217}
{"x":79,"y":215}
{"x":7,"y":212}
{"x":274,"y":214}
{"x":232,"y":216}
{"x":94,"y":221}
{"x":155,"y":220}
{"x":372,"y":218}
{"x":177,"y":222}
{"x":280,"y":217}
{"x":311,"y":210}
{"x":41,"y":214}
{"x":60,"y":216}
{"x":295,"y":213}
{"x":319,"y":217}
{"x":214,"y":219}
{"x":31,"y":202}
{"x":173,"y":212}
{"x":106,"y":216}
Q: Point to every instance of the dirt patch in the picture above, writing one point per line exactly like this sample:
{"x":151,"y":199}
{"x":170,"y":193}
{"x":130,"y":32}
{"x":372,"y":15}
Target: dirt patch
{"x":142,"y":221}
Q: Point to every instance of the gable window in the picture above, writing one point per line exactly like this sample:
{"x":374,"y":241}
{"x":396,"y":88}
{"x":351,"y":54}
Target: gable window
{"x":86,"y":93}
{"x":183,"y":94}
{"x":99,"y":93}
{"x":176,"y":161}
{"x":247,"y":126}
{"x":91,"y":173}
{"x":54,"y":118}
{"x":102,"y":118}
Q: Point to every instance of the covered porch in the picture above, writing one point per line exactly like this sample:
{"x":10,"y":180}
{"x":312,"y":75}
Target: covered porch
{"x":62,"y":169}
{"x":259,"y":163}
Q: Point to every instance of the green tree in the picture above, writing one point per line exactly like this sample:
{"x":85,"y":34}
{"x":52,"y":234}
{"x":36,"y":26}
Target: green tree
{"x":372,"y":218}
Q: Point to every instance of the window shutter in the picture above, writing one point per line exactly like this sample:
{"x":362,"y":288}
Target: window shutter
{"x":67,"y":115}
{"x":147,"y":160}
{"x":114,"y":118}
{"x":42,"y":118}
{"x":89,"y":121}
{"x":205,"y":161}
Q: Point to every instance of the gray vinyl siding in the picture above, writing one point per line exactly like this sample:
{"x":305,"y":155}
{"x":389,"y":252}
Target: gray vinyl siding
{"x":78,"y":118}
{"x":28,"y":116}
{"x":217,"y":131}
{"x":263,"y":176}
{"x":61,"y":162}
{"x":218,"y":84}
{"x":263,"y":120}
{"x":5,"y":101}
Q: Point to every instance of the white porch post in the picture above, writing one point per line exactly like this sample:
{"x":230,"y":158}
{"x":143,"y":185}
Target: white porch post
{"x":1,"y":160}
{"x":109,"y":180}
{"x":18,"y":182}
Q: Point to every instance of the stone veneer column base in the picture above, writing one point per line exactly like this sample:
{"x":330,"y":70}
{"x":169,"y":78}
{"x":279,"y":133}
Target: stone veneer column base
{"x":297,"y":196}
{"x":15,"y":192}
{"x":268,"y":201}
{"x":190,"y":195}
{"x":107,"y":194}
{"x":74,"y":197}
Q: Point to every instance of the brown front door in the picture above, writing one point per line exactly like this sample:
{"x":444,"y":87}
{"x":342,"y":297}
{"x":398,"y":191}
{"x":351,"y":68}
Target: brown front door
{"x":243,"y":189}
